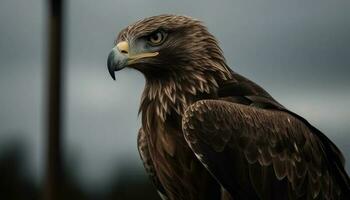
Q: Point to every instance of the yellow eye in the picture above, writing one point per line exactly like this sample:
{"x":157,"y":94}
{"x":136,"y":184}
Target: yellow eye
{"x":156,"y":38}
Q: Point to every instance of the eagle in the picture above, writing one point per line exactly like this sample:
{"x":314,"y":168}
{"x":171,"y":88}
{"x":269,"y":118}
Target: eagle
{"x":208,"y":133}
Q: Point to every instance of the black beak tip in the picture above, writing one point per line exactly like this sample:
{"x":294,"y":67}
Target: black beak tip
{"x":112,"y":75}
{"x":111,"y":71}
{"x":110,"y":65}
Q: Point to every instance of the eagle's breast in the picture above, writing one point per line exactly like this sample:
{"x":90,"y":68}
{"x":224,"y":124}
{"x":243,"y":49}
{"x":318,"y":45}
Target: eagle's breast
{"x":177,"y":168}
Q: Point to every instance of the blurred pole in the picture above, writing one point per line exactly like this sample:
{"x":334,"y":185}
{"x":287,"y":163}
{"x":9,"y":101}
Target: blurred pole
{"x":53,"y":179}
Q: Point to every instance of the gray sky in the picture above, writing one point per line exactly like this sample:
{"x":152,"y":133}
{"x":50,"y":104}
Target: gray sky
{"x":297,"y":50}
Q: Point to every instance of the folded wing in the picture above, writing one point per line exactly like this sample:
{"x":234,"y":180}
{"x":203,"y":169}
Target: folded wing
{"x":259,"y":153}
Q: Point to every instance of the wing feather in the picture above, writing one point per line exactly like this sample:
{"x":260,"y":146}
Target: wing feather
{"x":280,"y":152}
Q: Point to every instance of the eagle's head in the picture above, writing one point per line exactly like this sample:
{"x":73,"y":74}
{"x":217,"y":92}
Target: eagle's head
{"x":167,"y":46}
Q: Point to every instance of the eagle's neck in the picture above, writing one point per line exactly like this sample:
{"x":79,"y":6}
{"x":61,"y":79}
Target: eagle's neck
{"x":171,"y":96}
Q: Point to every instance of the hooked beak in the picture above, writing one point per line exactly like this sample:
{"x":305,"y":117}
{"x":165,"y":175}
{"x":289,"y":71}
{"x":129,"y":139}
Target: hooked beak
{"x":117,"y":58}
{"x":120,"y":57}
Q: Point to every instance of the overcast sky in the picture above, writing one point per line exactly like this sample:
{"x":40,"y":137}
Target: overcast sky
{"x":297,"y":50}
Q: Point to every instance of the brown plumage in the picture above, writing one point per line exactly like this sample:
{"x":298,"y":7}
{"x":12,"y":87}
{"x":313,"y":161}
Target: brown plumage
{"x":209,"y":133}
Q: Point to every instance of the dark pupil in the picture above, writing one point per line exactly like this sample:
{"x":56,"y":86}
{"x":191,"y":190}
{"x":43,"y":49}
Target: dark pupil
{"x":155,"y":37}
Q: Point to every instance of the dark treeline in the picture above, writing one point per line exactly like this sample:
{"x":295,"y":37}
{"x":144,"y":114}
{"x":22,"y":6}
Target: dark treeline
{"x":14,"y":185}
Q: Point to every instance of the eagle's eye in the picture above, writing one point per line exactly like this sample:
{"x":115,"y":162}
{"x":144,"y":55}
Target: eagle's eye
{"x":156,"y":38}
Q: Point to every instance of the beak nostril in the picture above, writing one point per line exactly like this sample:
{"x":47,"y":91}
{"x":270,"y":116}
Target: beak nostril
{"x":123,"y":47}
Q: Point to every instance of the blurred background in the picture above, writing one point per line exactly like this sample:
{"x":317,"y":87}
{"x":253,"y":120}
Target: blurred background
{"x":297,"y":50}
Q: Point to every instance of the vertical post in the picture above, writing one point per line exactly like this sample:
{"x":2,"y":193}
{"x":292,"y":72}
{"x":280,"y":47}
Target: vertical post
{"x":53,"y":179}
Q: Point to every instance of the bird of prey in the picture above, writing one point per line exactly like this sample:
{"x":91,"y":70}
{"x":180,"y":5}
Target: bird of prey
{"x":209,"y":133}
